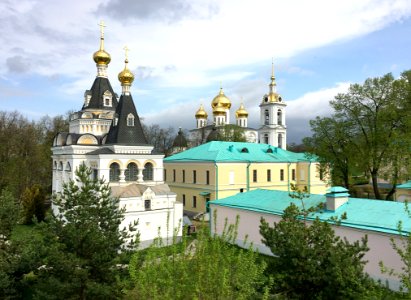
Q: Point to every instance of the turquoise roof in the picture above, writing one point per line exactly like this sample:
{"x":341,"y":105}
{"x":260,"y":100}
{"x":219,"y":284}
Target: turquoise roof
{"x":406,"y":185}
{"x":218,"y":151}
{"x":366,"y":214}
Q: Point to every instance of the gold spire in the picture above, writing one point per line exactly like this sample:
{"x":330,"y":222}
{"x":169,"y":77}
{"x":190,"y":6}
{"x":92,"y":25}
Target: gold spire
{"x":101,"y":57}
{"x":201,"y":113}
{"x":272,"y":95}
{"x":241,"y":112}
{"x":221,"y":98}
{"x":125,"y":76}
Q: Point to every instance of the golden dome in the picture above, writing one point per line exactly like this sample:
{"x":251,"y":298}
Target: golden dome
{"x":272,"y":97}
{"x":241,"y":112}
{"x":101,"y":57}
{"x":219,"y":110}
{"x":221,"y":98}
{"x":201,"y":113}
{"x":125,"y":76}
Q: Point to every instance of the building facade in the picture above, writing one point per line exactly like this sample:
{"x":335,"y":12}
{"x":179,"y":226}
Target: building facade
{"x":220,"y":169}
{"x":106,"y":135}
{"x":375,"y":218}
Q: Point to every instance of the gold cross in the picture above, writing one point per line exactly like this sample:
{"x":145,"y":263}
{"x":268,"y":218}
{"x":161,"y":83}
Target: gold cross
{"x":126,"y":49}
{"x":102,"y":25}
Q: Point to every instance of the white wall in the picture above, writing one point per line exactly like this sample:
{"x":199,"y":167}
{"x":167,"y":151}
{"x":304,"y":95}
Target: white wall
{"x":379,"y":243}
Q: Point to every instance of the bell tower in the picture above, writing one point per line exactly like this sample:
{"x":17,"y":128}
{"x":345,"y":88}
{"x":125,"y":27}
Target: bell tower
{"x":273,"y":129}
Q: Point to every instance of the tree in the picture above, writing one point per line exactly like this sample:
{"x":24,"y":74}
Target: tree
{"x":310,"y":261}
{"x":207,"y":268}
{"x":161,"y":139}
{"x":367,"y":130}
{"x":33,"y":204}
{"x":81,"y":242}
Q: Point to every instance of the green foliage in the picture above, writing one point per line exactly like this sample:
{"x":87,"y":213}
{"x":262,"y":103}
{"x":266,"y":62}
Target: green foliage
{"x":310,"y":261}
{"x":9,"y":211}
{"x":403,"y":249}
{"x":369,"y":132}
{"x":207,"y":268}
{"x":33,"y":204}
{"x":80,"y":244}
{"x":231,"y":133}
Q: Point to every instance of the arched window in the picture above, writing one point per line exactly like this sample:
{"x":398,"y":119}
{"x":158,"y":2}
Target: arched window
{"x":130,"y":120}
{"x":131,"y":172}
{"x":61,"y":166}
{"x":279,"y":117}
{"x":68,"y":167}
{"x":244,"y":150}
{"x":148,"y":171}
{"x":280,"y":140}
{"x":266,"y":117}
{"x":55,"y":165}
{"x":107,"y":96}
{"x":114,"y":172}
{"x":266,"y":138}
{"x":269,"y":150}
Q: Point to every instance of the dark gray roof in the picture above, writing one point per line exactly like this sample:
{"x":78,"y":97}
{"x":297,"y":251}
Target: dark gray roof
{"x":97,"y":90}
{"x":180,"y":140}
{"x":121,"y":133}
{"x":101,"y":151}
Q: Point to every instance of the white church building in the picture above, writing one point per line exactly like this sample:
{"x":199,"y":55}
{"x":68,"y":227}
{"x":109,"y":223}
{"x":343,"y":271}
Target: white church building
{"x":106,"y":135}
{"x":272,"y":129}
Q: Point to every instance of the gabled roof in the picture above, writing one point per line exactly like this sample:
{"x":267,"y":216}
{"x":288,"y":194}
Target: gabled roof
{"x":99,"y":87}
{"x":366,"y":214}
{"x":218,"y":151}
{"x":121,"y":133}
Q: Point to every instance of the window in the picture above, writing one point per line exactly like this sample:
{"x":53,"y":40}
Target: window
{"x":147,"y":204}
{"x":194,"y":201}
{"x":184,"y":200}
{"x":114,"y":172}
{"x":269,"y":150}
{"x":282,"y":175}
{"x":68,"y":167}
{"x":148,"y":171}
{"x":268,"y":175}
{"x":279,"y":117}
{"x":244,"y":150}
{"x":207,"y":177}
{"x":174,"y":175}
{"x":194,"y":176}
{"x":165,"y":175}
{"x":266,"y":117}
{"x":321,"y":174}
{"x":130,"y":120}
{"x":293,"y":174}
{"x":231,"y":177}
{"x":131,"y":172}
{"x":184,"y":175}
{"x":95,"y":174}
{"x":266,"y":141}
{"x":107,"y":98}
{"x":254,"y":175}
{"x":55,"y":165}
{"x":61,"y":166}
{"x":280,"y":140}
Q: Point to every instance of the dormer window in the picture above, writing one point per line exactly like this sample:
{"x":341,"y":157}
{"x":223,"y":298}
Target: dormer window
{"x":87,"y":98}
{"x":107,"y":99}
{"x":130,"y":120}
{"x":244,"y":150}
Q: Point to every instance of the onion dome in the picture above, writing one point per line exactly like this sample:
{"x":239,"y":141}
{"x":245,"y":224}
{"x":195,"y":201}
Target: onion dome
{"x":219,"y":110}
{"x":101,"y":57}
{"x":125,"y":76}
{"x":241,"y":112}
{"x":221,"y":98}
{"x":201,"y":113}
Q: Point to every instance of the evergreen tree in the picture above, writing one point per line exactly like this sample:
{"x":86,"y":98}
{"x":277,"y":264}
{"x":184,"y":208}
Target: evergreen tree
{"x":310,"y":261}
{"x":81,"y":243}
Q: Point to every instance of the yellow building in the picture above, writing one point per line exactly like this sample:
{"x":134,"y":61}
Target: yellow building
{"x":403,"y":192}
{"x":220,"y":169}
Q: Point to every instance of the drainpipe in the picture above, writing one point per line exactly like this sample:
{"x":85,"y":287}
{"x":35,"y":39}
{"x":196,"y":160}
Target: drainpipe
{"x":216,"y":180}
{"x":248,"y":175}
{"x":309,"y":178}
{"x":288,"y":176}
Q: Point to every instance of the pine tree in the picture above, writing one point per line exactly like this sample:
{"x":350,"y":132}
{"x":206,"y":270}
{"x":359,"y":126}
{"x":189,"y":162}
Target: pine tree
{"x":81,"y":243}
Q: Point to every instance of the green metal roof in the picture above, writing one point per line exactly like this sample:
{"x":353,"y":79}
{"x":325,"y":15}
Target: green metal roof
{"x":218,"y":151}
{"x":366,"y":214}
{"x":406,"y":185}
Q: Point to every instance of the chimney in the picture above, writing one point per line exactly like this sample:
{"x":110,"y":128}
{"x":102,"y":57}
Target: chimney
{"x":336,"y":196}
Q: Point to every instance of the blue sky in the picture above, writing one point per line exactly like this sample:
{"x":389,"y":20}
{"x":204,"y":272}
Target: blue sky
{"x":181,"y":50}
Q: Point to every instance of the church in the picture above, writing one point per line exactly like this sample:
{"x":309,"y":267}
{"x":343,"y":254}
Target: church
{"x":272,"y":129}
{"x":106,"y":135}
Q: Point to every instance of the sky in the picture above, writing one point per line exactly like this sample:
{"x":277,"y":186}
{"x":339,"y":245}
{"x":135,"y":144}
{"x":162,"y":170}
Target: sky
{"x":182,"y":50}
